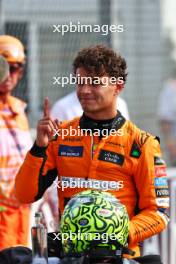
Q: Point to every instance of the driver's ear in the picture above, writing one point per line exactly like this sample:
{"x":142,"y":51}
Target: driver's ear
{"x":119,"y":86}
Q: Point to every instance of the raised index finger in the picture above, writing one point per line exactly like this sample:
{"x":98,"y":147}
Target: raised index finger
{"x":46,"y":107}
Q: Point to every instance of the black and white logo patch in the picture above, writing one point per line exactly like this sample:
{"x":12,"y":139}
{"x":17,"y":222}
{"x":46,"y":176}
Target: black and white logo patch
{"x":159,"y":161}
{"x":111,"y":157}
{"x":162,"y":192}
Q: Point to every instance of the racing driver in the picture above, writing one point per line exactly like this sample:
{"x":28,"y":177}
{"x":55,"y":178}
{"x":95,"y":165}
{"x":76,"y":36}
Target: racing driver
{"x":128,"y":159}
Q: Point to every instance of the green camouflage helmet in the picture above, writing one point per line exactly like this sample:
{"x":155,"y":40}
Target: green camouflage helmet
{"x":93,"y":215}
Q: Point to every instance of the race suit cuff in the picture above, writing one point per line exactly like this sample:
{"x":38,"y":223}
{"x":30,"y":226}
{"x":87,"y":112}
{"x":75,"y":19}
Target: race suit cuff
{"x":38,"y":151}
{"x":131,"y":236}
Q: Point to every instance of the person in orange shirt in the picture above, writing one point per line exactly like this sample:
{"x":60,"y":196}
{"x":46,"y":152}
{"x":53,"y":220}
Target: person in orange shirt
{"x":100,"y":149}
{"x":15,"y":140}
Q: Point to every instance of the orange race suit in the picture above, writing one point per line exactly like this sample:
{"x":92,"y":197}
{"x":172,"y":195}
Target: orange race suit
{"x":128,"y":161}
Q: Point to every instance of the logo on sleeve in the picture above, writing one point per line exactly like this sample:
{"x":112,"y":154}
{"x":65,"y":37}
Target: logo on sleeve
{"x":161,"y":183}
{"x":160,"y":171}
{"x":162,"y":192}
{"x":70,"y":151}
{"x":111,"y":157}
{"x":160,"y":167}
{"x":162,"y":202}
{"x":159,"y":161}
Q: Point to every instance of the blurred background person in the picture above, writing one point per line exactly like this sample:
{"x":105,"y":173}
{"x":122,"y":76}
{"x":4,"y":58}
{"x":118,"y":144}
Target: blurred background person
{"x":69,"y":107}
{"x":15,"y":140}
{"x":167,"y":117}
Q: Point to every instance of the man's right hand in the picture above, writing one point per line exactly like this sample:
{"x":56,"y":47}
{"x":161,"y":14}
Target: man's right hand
{"x":46,"y":127}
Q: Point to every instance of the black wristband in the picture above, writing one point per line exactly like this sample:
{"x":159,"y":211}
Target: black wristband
{"x":38,"y":151}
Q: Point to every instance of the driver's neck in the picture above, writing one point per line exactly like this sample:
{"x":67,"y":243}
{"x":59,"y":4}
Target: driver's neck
{"x":100,"y":115}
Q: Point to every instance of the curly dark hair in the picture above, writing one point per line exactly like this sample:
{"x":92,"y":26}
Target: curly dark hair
{"x":99,"y":60}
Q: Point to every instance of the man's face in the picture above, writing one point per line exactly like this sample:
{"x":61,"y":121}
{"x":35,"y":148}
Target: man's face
{"x":10,"y":83}
{"x":96,"y":98}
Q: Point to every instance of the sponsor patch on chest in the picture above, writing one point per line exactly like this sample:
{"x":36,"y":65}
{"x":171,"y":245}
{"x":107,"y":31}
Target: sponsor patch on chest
{"x":111,"y":157}
{"x":70,"y":151}
{"x":135,"y":151}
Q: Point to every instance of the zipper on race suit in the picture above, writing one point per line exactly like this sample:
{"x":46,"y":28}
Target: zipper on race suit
{"x":92,"y":150}
{"x":95,"y":141}
{"x":94,"y":145}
